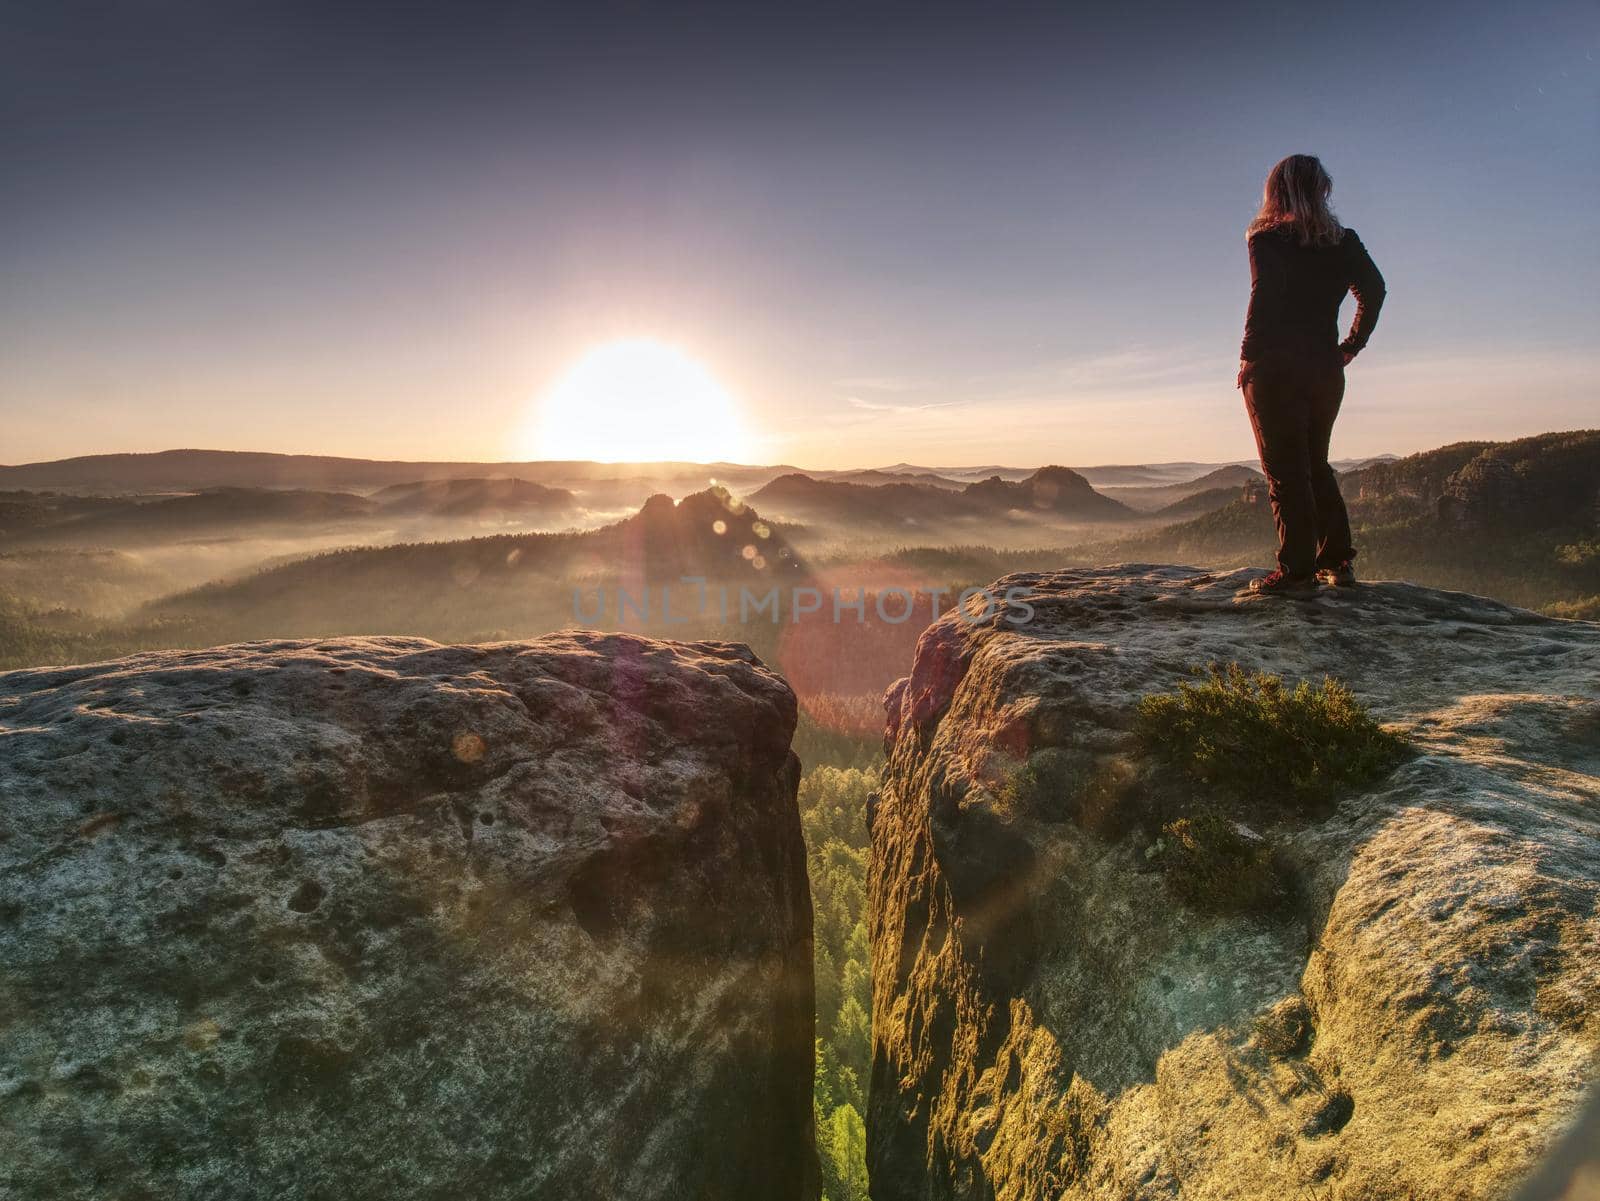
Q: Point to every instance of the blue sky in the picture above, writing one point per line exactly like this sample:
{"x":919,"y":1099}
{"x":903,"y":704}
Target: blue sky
{"x":941,"y":232}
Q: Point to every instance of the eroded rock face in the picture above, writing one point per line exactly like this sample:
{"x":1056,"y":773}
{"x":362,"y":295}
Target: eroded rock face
{"x":1050,"y":1022}
{"x":383,"y":918}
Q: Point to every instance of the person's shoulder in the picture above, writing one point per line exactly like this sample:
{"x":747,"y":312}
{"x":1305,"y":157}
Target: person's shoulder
{"x":1349,"y":238}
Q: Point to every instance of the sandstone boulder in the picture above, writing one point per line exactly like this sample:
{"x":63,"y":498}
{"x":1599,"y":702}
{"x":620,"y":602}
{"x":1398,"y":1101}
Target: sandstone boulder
{"x":381,"y":918}
{"x":1050,"y":1021}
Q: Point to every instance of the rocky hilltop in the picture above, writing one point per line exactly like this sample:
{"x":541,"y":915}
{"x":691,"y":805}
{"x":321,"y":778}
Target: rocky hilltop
{"x":1417,"y":1017}
{"x":376,"y":918}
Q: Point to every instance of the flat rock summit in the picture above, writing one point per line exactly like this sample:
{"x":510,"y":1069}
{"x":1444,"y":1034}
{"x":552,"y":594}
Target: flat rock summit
{"x":381,"y":918}
{"x":1052,"y":1021}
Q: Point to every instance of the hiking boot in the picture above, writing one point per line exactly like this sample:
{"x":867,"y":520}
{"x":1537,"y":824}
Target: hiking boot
{"x":1342,"y":576}
{"x":1279,"y":584}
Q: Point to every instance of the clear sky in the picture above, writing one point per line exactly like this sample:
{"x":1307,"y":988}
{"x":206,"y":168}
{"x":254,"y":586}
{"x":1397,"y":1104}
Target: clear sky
{"x":944,"y":233}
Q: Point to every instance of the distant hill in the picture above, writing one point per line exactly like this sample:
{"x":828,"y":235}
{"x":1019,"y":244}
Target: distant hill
{"x":1516,"y":520}
{"x":474,"y":498}
{"x":1150,"y":499}
{"x":1344,"y":465}
{"x":476,"y":587}
{"x":709,"y":533}
{"x":116,"y":521}
{"x":1238,"y":533}
{"x":874,"y":478}
{"x":1110,"y":479}
{"x":1056,"y":491}
{"x":962,"y":475}
{"x":1543,"y":482}
{"x":861,"y":505}
{"x":191,"y":470}
{"x":188,"y":470}
{"x":1147,"y":475}
{"x":1197,"y":504}
{"x":23,"y":514}
{"x":1051,"y":492}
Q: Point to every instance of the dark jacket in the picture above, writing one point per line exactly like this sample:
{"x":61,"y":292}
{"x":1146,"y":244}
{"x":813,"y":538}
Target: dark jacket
{"x":1295,"y":293}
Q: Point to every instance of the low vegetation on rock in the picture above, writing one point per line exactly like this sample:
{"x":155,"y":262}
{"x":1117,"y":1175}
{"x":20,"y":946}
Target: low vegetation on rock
{"x":1217,"y":864}
{"x":1247,"y":748}
{"x":1246,"y":736}
{"x":1578,"y":610}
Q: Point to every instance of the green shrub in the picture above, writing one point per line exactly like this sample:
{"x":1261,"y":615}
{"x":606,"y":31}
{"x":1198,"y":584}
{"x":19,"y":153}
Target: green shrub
{"x":1215,"y":865}
{"x":1243,"y":735}
{"x":1239,"y":743}
{"x":1578,"y":554}
{"x":1575,"y":610}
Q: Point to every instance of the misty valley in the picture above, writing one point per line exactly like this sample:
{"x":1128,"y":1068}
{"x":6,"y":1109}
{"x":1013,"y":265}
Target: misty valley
{"x":117,"y":554}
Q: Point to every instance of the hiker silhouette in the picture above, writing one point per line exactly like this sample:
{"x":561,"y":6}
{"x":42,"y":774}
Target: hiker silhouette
{"x":1291,"y":366}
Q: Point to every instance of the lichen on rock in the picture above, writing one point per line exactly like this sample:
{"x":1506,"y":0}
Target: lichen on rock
{"x":1052,"y":1018}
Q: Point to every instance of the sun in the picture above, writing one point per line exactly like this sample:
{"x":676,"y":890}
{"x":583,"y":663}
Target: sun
{"x":639,"y":400}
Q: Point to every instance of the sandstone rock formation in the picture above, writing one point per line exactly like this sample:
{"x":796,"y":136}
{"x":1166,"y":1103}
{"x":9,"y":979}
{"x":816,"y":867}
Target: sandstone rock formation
{"x":1049,"y":1022}
{"x":380,"y":918}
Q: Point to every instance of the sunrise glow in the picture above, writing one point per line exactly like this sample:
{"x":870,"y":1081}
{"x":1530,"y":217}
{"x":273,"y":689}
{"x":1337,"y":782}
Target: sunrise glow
{"x":638,"y":400}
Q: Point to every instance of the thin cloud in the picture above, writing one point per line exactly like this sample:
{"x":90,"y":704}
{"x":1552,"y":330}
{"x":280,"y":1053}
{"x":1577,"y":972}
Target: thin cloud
{"x":882,"y":383}
{"x":876,"y":406}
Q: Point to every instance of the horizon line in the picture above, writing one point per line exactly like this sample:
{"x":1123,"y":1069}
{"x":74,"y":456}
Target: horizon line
{"x":900,"y":467}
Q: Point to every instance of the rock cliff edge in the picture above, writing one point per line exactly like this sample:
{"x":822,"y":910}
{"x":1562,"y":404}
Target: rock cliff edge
{"x":1051,"y":1021}
{"x":377,"y":917}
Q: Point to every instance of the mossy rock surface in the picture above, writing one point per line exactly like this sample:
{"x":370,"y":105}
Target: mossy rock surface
{"x":1412,"y":1015}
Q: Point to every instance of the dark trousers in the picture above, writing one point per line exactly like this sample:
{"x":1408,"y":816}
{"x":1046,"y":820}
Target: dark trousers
{"x":1292,"y":403}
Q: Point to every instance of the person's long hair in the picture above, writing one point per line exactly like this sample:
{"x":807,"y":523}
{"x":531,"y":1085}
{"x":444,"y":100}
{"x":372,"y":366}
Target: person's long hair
{"x":1295,"y":199}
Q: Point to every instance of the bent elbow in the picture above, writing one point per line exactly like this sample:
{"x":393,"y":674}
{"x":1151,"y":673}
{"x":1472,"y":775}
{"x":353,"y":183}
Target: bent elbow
{"x":1371,"y":295}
